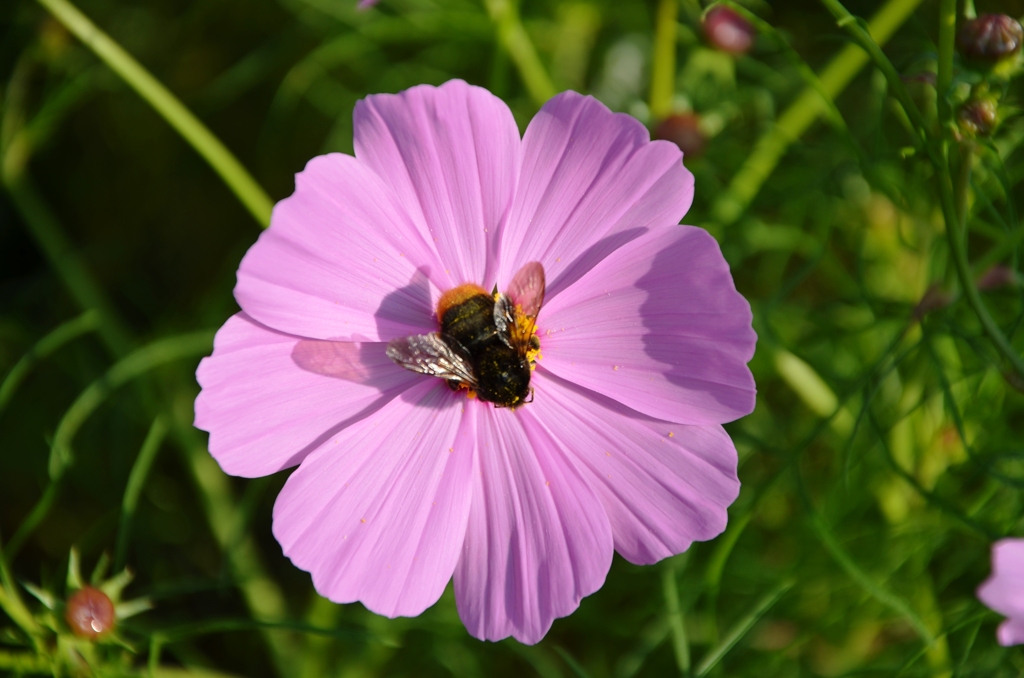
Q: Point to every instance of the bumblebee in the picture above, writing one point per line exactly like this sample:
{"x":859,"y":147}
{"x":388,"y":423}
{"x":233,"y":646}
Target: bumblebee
{"x":486,"y":343}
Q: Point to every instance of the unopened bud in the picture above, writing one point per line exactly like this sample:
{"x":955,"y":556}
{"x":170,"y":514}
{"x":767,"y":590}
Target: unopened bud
{"x":990,"y":38}
{"x":998,"y":276}
{"x":933,"y":300}
{"x":90,"y":613}
{"x":978,"y":117}
{"x":728,"y":31}
{"x":683,"y":129}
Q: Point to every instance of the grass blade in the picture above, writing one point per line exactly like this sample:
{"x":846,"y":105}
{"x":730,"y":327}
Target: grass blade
{"x":136,"y":481}
{"x":740,"y":628}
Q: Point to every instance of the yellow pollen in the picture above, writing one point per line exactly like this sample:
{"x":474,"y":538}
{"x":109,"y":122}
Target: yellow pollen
{"x":671,"y":435}
{"x":362,"y":520}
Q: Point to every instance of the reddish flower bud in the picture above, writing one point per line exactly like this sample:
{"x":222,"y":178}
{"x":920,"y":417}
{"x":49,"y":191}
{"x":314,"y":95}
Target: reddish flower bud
{"x":728,"y":31}
{"x":990,"y":38}
{"x":90,"y":613}
{"x":978,"y":117}
{"x":683,"y":129}
{"x":998,"y":276}
{"x":934,"y":298}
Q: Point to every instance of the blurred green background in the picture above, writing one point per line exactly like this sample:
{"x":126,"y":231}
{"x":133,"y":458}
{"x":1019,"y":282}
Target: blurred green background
{"x":885,"y":455}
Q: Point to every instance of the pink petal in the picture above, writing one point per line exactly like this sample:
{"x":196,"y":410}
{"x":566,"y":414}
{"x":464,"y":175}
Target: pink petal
{"x":658,"y":327}
{"x":591,"y":181}
{"x":451,"y":154}
{"x":663,"y":485}
{"x":341,"y":260}
{"x":538,"y":538}
{"x":379,"y":512}
{"x":268,"y":398}
{"x":1004,"y":590}
{"x":1011,"y":632}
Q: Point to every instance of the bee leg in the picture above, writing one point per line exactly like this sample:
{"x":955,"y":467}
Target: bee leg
{"x":454,"y":384}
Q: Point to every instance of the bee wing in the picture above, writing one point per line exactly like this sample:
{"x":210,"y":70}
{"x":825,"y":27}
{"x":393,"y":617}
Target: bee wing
{"x":515,"y":312}
{"x":429,"y":354}
{"x":505,"y":318}
{"x":527,"y":288}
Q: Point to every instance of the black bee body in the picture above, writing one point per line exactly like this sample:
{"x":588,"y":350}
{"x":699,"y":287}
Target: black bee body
{"x":502,"y":371}
{"x":487,"y":342}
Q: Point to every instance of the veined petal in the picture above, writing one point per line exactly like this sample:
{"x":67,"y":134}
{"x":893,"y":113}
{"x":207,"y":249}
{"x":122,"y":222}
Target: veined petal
{"x":269,"y":398}
{"x":663,"y":485}
{"x":591,"y":181}
{"x":538,"y":538}
{"x":341,"y":260}
{"x":379,"y":512}
{"x":659,"y":327}
{"x":451,"y":154}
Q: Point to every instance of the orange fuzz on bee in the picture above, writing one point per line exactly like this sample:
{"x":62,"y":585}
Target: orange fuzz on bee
{"x":456,"y":296}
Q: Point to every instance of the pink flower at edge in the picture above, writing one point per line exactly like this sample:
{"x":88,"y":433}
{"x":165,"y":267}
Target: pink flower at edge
{"x":403,"y":483}
{"x":1004,"y":590}
{"x":366,"y":4}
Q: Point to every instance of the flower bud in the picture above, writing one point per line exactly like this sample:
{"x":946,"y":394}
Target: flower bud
{"x":996,"y":277}
{"x":728,"y":31}
{"x":978,"y":117}
{"x":990,"y":38}
{"x":683,"y":129}
{"x":90,"y":613}
{"x":934,"y":299}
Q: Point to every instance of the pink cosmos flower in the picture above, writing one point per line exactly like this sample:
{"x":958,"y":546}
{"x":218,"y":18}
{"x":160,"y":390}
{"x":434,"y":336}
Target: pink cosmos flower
{"x":404,"y":483}
{"x":1004,"y":590}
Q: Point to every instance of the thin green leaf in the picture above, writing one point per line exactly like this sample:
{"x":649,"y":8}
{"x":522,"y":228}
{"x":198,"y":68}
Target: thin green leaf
{"x":61,"y":335}
{"x":740,"y":628}
{"x":135,"y":364}
{"x":136,"y":481}
{"x":574,"y":665}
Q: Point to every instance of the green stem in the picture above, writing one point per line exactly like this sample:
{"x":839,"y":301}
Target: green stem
{"x":14,"y":606}
{"x":939,"y":157}
{"x":136,"y":481}
{"x":135,"y":364}
{"x":741,"y":628}
{"x":168,"y":106}
{"x":944,"y":78}
{"x":963,"y":185}
{"x":958,"y":250}
{"x":513,"y":37}
{"x":86,"y":322}
{"x":863,"y":37}
{"x":809,"y":77}
{"x":58,"y":249}
{"x":663,"y":67}
{"x":799,"y":116}
{"x":23,"y":663}
{"x":670,"y":590}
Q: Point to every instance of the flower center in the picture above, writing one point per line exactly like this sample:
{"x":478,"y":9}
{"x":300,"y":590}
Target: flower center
{"x":497,"y":340}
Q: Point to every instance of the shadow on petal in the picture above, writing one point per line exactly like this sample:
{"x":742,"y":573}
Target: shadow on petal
{"x":589,"y":258}
{"x":698,"y":324}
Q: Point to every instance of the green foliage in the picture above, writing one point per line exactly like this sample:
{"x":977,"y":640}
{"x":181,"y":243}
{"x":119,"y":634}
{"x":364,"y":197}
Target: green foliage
{"x":874,"y":231}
